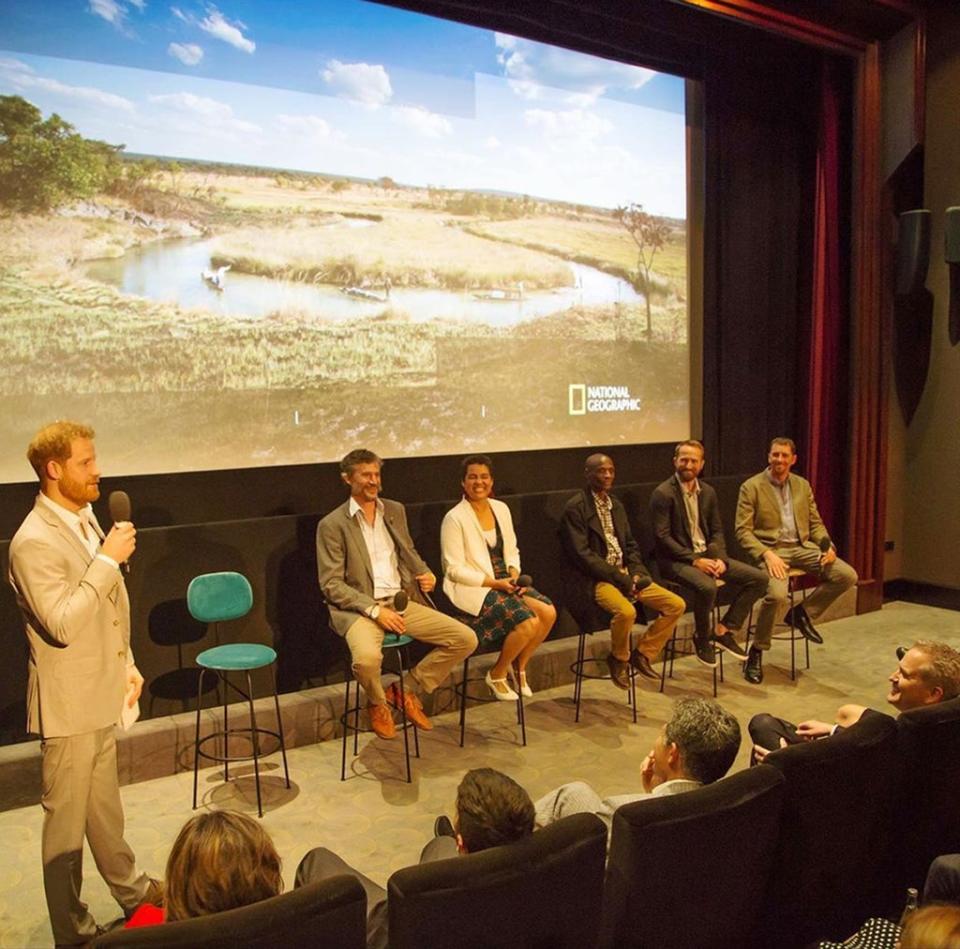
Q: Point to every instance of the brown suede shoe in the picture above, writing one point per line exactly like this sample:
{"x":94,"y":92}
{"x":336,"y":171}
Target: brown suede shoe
{"x":412,"y":706}
{"x":381,"y":721}
{"x":641,"y":663}
{"x":619,"y":672}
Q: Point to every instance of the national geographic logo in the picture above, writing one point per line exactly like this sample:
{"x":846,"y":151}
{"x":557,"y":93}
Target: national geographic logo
{"x":583,"y":399}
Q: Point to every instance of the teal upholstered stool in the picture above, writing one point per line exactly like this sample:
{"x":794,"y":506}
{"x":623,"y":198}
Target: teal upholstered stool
{"x":216,"y":598}
{"x":393,"y":644}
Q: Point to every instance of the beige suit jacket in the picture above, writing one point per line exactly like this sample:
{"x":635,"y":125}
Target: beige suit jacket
{"x":758,"y":515}
{"x":344,"y":568}
{"x":77,"y":618}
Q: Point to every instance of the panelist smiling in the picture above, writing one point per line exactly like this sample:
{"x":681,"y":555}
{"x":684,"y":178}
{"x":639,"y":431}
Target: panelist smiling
{"x":481,"y":565}
{"x":365,"y":556}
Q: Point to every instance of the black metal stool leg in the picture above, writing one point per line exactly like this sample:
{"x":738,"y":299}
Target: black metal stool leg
{"x":578,"y":673}
{"x":283,"y":744}
{"x":345,"y":720}
{"x":463,"y":699}
{"x":403,"y":717}
{"x":669,"y":648}
{"x":255,"y":742}
{"x":196,"y":746}
{"x":632,"y":694}
{"x":521,"y":716}
{"x":226,"y":730}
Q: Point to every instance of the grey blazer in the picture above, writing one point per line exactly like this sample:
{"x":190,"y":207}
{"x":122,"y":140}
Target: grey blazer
{"x":344,"y":568}
{"x":77,"y":618}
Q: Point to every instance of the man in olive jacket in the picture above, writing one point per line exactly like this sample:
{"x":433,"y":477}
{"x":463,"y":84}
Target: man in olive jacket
{"x":779,"y":526}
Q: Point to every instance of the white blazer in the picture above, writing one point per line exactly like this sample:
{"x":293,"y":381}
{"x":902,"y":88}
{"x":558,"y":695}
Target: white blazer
{"x":466,"y":556}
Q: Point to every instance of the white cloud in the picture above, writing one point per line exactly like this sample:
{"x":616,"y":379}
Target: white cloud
{"x":222,"y":29}
{"x":188,"y":53}
{"x":492,"y":142}
{"x":110,"y":10}
{"x":179,"y":14}
{"x":531,"y":66}
{"x":23,"y":77}
{"x":570,"y":124}
{"x":366,"y":84}
{"x":309,"y":126}
{"x":421,"y":120}
{"x":114,"y":11}
{"x":217,"y":116}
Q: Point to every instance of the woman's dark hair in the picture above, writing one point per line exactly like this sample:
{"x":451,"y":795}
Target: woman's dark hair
{"x":475,"y":460}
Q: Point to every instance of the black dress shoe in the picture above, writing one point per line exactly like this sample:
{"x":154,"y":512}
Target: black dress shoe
{"x":443,"y":827}
{"x":706,"y":654}
{"x":901,"y":651}
{"x":619,"y":672}
{"x":642,"y":664}
{"x":728,"y":643}
{"x":797,"y":617}
{"x":753,"y":668}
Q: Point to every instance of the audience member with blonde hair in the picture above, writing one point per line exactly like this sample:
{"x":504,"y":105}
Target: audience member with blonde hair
{"x":932,"y":927}
{"x":219,"y":861}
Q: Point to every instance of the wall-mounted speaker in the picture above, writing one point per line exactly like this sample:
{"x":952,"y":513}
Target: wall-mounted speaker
{"x":913,"y":251}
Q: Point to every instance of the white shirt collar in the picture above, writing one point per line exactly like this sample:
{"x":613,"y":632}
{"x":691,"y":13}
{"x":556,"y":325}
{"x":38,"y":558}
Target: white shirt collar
{"x":71,"y":518}
{"x":354,"y":506}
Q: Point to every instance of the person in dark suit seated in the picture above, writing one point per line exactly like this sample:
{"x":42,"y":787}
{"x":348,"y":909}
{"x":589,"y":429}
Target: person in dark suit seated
{"x":928,"y":673}
{"x":481,"y":564}
{"x":219,"y":861}
{"x":365,"y":556}
{"x":492,"y":810}
{"x":696,"y":747}
{"x":598,"y":541}
{"x":692,"y":551}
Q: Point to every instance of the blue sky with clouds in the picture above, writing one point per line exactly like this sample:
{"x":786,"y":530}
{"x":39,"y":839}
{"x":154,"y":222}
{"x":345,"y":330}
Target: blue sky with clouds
{"x":355,"y":88}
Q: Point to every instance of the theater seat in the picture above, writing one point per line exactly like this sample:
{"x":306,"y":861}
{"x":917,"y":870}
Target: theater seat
{"x":691,"y":869}
{"x":837,"y":819}
{"x":331,"y":913}
{"x":543,"y":892}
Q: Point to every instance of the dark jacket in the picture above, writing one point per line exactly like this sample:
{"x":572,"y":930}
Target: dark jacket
{"x":671,"y":529}
{"x":586,"y":546}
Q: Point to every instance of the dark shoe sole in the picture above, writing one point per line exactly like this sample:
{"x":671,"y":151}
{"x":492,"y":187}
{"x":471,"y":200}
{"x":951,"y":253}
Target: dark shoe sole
{"x":737,"y":653}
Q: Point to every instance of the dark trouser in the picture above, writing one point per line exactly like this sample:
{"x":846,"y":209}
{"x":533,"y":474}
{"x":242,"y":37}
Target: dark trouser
{"x":321,"y":864}
{"x":943,"y":880}
{"x":750,"y":584}
{"x":766,"y":731}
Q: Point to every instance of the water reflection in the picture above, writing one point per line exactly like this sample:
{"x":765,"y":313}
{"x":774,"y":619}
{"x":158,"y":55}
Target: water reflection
{"x":170,"y":271}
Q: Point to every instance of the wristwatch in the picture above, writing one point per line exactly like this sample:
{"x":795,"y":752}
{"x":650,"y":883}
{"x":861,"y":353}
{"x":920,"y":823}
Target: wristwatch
{"x":375,"y":612}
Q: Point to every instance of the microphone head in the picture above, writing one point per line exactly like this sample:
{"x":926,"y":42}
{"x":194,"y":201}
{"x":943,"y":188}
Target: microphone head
{"x":524,"y":580}
{"x":400,"y":601}
{"x":825,"y":544}
{"x":119,"y":503}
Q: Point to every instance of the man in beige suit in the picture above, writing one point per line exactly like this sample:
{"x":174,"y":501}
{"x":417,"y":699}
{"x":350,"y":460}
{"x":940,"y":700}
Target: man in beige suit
{"x":365,"y":556}
{"x":779,"y":526}
{"x":68,"y":585}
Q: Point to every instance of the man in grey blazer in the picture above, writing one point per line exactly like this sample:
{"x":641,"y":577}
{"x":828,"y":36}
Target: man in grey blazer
{"x":365,"y":556}
{"x":779,"y":526}
{"x":68,"y":584}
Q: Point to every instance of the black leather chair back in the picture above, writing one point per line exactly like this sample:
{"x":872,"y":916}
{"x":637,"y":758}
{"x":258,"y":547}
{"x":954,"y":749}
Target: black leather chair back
{"x":543,"y":892}
{"x":837,"y":819}
{"x":928,"y":809}
{"x":691,"y":869}
{"x":331,"y":914}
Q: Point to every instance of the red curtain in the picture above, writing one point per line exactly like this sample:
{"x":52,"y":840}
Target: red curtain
{"x":827,"y":378}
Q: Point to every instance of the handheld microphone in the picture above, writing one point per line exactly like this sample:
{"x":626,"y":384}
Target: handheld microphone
{"x":119,"y":504}
{"x":400,"y":601}
{"x":524,"y":580}
{"x":825,"y":545}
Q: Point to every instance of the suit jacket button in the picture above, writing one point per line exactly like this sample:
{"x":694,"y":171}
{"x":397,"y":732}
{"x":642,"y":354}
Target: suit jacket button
{"x":121,"y":654}
{"x":116,"y":622}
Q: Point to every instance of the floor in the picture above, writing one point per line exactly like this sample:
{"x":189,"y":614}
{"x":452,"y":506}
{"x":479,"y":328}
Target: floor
{"x":379,"y":823}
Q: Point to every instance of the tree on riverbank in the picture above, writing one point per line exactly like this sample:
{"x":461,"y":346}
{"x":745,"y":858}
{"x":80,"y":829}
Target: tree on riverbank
{"x":46,"y":162}
{"x":649,"y":233}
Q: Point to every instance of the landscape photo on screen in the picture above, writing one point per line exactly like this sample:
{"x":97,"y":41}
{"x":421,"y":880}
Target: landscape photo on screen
{"x":267,"y":233}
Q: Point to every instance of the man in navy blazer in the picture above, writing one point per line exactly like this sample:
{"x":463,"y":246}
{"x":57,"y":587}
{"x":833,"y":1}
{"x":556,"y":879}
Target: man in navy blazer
{"x":365,"y":556}
{"x":692,"y":551}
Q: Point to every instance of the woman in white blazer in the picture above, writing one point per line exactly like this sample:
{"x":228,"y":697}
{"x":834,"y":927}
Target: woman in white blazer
{"x":481,"y":563}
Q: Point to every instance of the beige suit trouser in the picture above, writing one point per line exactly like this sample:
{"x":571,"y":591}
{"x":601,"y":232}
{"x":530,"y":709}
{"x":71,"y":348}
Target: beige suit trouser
{"x":81,"y":798}
{"x":453,"y":640}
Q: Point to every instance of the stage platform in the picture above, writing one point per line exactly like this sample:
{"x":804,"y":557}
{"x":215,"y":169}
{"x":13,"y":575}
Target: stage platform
{"x":379,"y":823}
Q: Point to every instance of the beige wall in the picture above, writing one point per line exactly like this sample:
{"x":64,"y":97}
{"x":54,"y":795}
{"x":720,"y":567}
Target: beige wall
{"x":928,"y":494}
